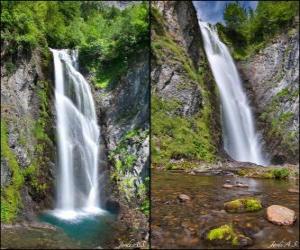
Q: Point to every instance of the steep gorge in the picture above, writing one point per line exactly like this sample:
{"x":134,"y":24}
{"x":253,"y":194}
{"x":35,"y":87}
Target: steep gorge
{"x":28,"y":130}
{"x":272,"y":78}
{"x":184,"y":105}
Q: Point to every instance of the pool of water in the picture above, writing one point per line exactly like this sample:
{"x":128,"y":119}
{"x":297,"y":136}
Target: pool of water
{"x":176,"y":224}
{"x":88,"y":231}
{"x":95,"y":231}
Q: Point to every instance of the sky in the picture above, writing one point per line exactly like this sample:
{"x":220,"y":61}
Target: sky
{"x":212,"y":11}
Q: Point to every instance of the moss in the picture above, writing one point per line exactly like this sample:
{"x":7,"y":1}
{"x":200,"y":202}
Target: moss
{"x":280,"y":173}
{"x":145,"y":207}
{"x":10,"y":195}
{"x":243,"y":205}
{"x":266,"y":173}
{"x":34,"y":173}
{"x":253,"y":205}
{"x":123,"y":162}
{"x":224,"y":233}
{"x":176,"y":137}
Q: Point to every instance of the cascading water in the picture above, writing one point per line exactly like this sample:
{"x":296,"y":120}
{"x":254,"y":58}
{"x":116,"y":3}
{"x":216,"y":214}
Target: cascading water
{"x":241,"y":141}
{"x":78,"y":140}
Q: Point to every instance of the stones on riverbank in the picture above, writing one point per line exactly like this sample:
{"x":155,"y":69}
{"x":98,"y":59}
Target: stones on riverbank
{"x":281,"y":215}
{"x":227,"y":235}
{"x":241,"y":185}
{"x":293,"y":190}
{"x":238,"y":184}
{"x":228,"y":186}
{"x":184,"y":198}
{"x":243,"y":205}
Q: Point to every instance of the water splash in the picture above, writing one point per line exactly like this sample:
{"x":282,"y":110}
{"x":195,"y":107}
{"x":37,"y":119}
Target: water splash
{"x":241,"y":141}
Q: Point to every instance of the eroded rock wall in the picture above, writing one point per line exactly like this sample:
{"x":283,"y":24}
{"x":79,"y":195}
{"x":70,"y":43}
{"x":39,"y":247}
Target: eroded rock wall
{"x":27,"y":134}
{"x":183,"y":90}
{"x":272,"y":78}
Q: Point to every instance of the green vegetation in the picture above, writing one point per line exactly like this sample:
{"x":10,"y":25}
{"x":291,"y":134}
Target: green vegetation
{"x":124,"y":160}
{"x":224,"y":232}
{"x":279,"y":120}
{"x":280,"y":173}
{"x":243,"y":205}
{"x":105,"y":36}
{"x":10,"y":195}
{"x":247,"y":31}
{"x":32,"y":175}
{"x":175,"y":136}
{"x":267,"y":173}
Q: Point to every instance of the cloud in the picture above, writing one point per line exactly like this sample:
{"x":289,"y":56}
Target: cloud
{"x":212,"y":11}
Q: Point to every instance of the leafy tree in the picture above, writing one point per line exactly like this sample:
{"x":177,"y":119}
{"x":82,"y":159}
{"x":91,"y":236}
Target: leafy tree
{"x":234,"y":16}
{"x":247,"y":30}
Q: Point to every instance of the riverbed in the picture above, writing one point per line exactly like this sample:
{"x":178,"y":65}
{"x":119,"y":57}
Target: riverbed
{"x":176,"y":224}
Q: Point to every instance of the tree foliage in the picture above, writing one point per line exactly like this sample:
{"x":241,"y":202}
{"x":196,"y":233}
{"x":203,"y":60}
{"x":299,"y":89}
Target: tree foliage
{"x":247,"y":29}
{"x":102,"y":33}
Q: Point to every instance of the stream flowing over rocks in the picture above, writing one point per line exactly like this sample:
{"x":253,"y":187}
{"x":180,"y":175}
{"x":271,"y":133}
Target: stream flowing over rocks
{"x":223,"y":203}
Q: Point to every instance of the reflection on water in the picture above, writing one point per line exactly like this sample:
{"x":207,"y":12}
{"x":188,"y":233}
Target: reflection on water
{"x":179,"y":225}
{"x":87,"y":232}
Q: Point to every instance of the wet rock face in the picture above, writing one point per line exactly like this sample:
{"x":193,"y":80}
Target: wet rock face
{"x":122,"y":110}
{"x":169,"y":78}
{"x":182,"y":23}
{"x":272,"y":78}
{"x":25,"y":87}
{"x":173,"y":84}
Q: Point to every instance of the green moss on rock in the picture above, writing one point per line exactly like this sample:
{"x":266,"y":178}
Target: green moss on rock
{"x":175,"y":136}
{"x":10,"y":195}
{"x":224,"y":232}
{"x":123,"y":162}
{"x":268,"y":172}
{"x":227,"y":235}
{"x":243,"y":205}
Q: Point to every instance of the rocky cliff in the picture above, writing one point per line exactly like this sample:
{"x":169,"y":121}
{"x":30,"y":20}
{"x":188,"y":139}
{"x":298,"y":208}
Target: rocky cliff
{"x":123,"y":112}
{"x":184,"y":106}
{"x":272,"y":79}
{"x":27,"y":134}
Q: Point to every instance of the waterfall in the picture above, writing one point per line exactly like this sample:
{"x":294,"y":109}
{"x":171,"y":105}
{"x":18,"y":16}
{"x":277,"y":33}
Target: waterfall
{"x":241,"y":141}
{"x":78,"y":140}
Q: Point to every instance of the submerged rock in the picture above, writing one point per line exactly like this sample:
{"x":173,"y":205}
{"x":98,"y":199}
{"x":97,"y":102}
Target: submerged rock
{"x":242,"y":185}
{"x":243,"y":205}
{"x":293,"y":190}
{"x":280,"y":215}
{"x":184,"y":197}
{"x":227,"y":186}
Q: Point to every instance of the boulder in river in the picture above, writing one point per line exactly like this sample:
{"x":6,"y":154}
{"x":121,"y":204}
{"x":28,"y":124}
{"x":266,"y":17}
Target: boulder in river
{"x":293,"y":190}
{"x":227,"y":186}
{"x":242,"y":185}
{"x":280,"y":215}
{"x":243,"y":205}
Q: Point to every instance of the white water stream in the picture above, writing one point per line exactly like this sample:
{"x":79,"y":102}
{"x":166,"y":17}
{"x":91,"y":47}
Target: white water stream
{"x":241,"y":141}
{"x":78,"y":140}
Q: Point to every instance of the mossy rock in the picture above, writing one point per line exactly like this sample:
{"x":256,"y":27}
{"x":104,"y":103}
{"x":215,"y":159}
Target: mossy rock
{"x":227,"y":235}
{"x":243,"y":205}
{"x":268,"y":172}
